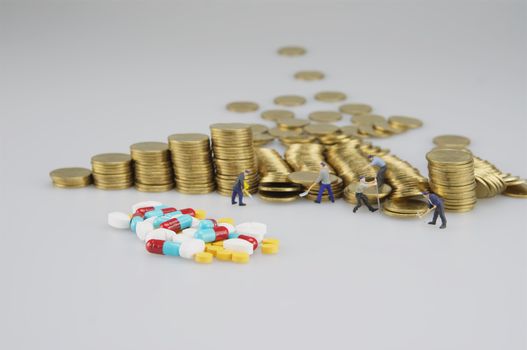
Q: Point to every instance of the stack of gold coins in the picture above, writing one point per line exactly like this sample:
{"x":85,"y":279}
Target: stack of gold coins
{"x":232,"y":144}
{"x":370,"y":192}
{"x":192,"y":161}
{"x":405,"y":207}
{"x":306,"y":157}
{"x":327,"y":134}
{"x":451,"y":176}
{"x":112,"y":171}
{"x":153,"y":168}
{"x":308,"y":178}
{"x":349,"y":162}
{"x":71,"y":177}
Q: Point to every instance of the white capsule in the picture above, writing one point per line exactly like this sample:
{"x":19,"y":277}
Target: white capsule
{"x":195,"y":222}
{"x":190,"y":247}
{"x":229,"y":227}
{"x":145,"y":204}
{"x":118,"y":220}
{"x":189,"y":232}
{"x":179,"y":238}
{"x":160,"y":233}
{"x":238,"y":245}
{"x":253,"y":229}
{"x":143,"y":227}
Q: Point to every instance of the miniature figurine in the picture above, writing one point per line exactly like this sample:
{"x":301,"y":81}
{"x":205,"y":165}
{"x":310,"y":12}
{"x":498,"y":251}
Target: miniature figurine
{"x":239,"y":188}
{"x":437,"y":203}
{"x":325,"y":183}
{"x":361,"y":197}
{"x":381,"y":164}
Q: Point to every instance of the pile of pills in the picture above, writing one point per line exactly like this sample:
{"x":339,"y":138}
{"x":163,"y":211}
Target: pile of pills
{"x":188,"y":234}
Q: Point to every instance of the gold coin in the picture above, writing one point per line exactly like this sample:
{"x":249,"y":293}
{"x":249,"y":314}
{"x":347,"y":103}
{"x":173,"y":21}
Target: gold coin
{"x":290,"y":100}
{"x":258,"y":128}
{"x":277,"y":132}
{"x":321,"y":129}
{"x":452,"y":141}
{"x":355,"y":108}
{"x":276,"y":114}
{"x":350,"y":130}
{"x":111,"y":158}
{"x":367,"y":119}
{"x":153,"y":188}
{"x":71,"y":177}
{"x":291,"y":51}
{"x":517,"y":191}
{"x":148,"y":147}
{"x":309,"y":75}
{"x":325,"y":116}
{"x":330,"y":96}
{"x":177,"y":139}
{"x":294,"y":123}
{"x":242,"y":107}
{"x":405,"y":122}
{"x":449,"y":156}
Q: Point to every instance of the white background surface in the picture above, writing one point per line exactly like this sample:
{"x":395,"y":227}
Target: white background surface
{"x":81,"y":78}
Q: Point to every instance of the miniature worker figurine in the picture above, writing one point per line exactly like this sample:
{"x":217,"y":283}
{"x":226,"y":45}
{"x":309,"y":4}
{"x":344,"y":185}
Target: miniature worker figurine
{"x":239,"y":188}
{"x":325,"y":183}
{"x":436,"y":202}
{"x":361,"y":197}
{"x":381,"y":164}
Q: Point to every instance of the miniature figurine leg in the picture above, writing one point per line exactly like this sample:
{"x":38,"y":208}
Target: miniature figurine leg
{"x":240,"y":196}
{"x":434,"y":218}
{"x":359,"y":203}
{"x":330,"y":192}
{"x":380,"y":176}
{"x":233,"y":198}
{"x":442,"y":216}
{"x":320,"y":193}
{"x":367,"y":202}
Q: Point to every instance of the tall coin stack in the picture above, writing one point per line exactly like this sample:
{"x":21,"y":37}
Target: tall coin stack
{"x":451,"y":176}
{"x":192,"y":161}
{"x":232,"y":144}
{"x":153,"y":168}
{"x":112,"y":171}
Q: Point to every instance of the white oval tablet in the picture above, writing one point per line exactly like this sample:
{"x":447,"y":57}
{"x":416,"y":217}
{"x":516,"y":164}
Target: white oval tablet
{"x":238,"y":245}
{"x":118,"y":220}
{"x":145,"y":204}
{"x":253,"y":229}
{"x":191,"y":247}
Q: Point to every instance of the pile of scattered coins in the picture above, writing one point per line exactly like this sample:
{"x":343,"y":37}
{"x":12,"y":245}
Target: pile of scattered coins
{"x":193,"y":166}
{"x":188,"y":234}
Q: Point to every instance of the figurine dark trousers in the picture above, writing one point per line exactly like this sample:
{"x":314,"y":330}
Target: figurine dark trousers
{"x":362,"y":199}
{"x":380,"y":176}
{"x":324,"y":187}
{"x":439,"y":211}
{"x":237,"y":192}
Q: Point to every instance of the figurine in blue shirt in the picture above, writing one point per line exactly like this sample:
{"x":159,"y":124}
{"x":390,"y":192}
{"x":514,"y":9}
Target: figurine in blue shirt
{"x":436,"y":202}
{"x":381,"y":164}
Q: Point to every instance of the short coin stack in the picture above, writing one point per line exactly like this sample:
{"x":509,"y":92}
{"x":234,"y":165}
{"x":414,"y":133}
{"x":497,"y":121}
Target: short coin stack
{"x":451,"y":176}
{"x":153,"y":168}
{"x":71,"y":177}
{"x":232,"y":144}
{"x":112,"y":171}
{"x":192,"y":161}
{"x":405,"y":208}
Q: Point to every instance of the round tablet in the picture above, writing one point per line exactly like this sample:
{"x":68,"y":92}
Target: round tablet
{"x":118,"y":220}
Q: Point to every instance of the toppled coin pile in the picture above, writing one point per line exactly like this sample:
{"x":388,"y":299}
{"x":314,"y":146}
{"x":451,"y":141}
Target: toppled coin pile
{"x":195,"y":163}
{"x":188,"y":234}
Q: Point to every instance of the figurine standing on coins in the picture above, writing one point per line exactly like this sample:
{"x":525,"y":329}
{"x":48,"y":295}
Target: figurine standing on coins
{"x":381,"y":164}
{"x":361,"y":197}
